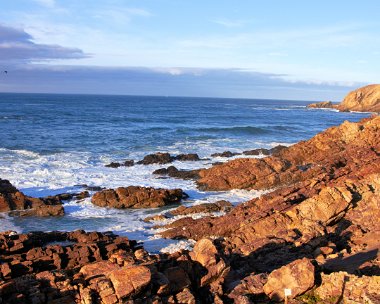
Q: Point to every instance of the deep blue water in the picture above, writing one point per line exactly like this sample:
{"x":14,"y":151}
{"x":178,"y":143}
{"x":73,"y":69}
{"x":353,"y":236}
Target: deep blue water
{"x":122,"y":124}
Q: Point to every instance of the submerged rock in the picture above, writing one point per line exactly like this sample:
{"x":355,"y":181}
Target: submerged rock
{"x":137,"y":197}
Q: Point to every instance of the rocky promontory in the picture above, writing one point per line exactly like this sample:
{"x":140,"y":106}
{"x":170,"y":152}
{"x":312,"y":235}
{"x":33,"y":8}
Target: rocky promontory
{"x":365,"y":99}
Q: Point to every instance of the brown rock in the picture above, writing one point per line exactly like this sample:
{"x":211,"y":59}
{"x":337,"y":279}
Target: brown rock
{"x":130,"y":281}
{"x":203,"y":208}
{"x":137,"y":197}
{"x":297,"y":276}
{"x":322,"y":105}
{"x":13,"y":200}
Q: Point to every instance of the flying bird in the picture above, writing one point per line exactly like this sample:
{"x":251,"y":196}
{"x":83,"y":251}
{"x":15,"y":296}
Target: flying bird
{"x":6,"y":72}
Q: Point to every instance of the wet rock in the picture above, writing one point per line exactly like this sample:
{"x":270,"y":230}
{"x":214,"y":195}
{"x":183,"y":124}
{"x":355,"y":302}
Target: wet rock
{"x":158,"y":217}
{"x":126,"y":163}
{"x":113,"y":165}
{"x":21,"y":205}
{"x":297,"y":276}
{"x":187,"y":157}
{"x":226,"y":154}
{"x":203,"y":208}
{"x":157,"y":158}
{"x":175,"y":173}
{"x":256,"y":152}
{"x":137,"y":197}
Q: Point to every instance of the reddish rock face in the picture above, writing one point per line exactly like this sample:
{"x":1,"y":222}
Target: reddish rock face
{"x":137,"y":197}
{"x":323,"y":153}
{"x":13,"y":200}
{"x":297,"y":276}
{"x":365,"y":99}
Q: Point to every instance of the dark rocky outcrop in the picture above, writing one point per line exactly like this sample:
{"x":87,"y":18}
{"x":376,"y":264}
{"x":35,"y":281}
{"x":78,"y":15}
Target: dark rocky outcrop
{"x":166,"y":158}
{"x":175,"y":173}
{"x":137,"y":197}
{"x":225,"y":154}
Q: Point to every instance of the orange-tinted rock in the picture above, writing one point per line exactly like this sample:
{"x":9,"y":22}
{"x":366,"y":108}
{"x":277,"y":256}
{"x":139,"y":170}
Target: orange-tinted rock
{"x":137,"y":197}
{"x":322,"y":105}
{"x":324,"y":153}
{"x":365,"y":99}
{"x":13,"y":200}
{"x":130,"y":281}
{"x":297,"y":276}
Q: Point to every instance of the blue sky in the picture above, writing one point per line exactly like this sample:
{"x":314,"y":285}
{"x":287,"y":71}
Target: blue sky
{"x":312,"y":50}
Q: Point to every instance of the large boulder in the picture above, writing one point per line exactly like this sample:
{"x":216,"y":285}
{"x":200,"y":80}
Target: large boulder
{"x":365,"y":99}
{"x":297,"y":276}
{"x":137,"y":197}
{"x":130,"y":280}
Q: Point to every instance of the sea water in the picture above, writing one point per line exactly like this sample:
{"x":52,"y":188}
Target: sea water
{"x":52,"y":144}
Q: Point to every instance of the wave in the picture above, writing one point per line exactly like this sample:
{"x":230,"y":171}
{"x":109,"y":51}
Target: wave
{"x":247,"y":130}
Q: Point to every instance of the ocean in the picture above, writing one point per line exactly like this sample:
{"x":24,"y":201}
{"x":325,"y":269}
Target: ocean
{"x":52,"y":144}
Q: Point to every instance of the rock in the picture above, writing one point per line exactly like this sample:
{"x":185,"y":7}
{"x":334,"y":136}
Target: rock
{"x":174,"y":172}
{"x":126,"y":163}
{"x":296,"y":163}
{"x":226,"y":154}
{"x":203,"y":208}
{"x":365,"y":99}
{"x":187,"y":157}
{"x":297,"y":276}
{"x":137,"y":197}
{"x":113,"y":165}
{"x":21,"y":205}
{"x":257,"y":152}
{"x":158,"y":217}
{"x":274,"y":151}
{"x":322,"y":105}
{"x":206,"y":254}
{"x":130,"y":281}
{"x":157,"y":158}
{"x":341,"y":286}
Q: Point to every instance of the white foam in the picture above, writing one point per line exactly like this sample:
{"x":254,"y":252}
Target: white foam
{"x":41,"y":175}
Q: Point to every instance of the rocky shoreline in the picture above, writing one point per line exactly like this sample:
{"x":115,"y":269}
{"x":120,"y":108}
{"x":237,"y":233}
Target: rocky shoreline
{"x":315,"y":233}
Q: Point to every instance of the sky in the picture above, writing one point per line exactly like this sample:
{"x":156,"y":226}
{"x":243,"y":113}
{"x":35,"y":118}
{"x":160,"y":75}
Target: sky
{"x":307,"y":50}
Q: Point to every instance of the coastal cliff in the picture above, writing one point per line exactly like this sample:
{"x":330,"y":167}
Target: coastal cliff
{"x":365,"y":99}
{"x":315,"y":232}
